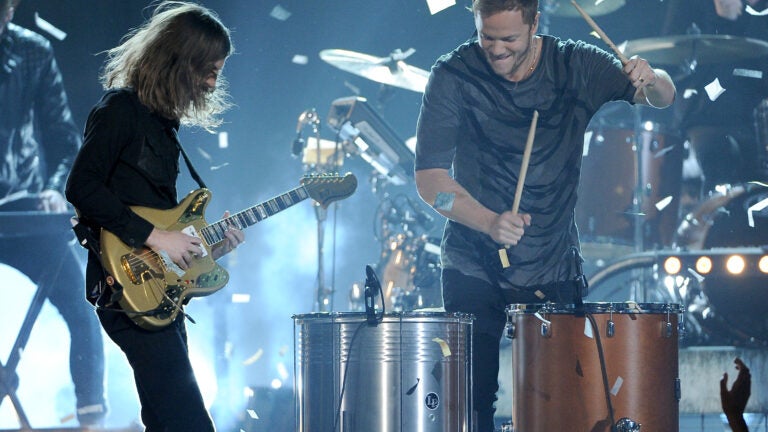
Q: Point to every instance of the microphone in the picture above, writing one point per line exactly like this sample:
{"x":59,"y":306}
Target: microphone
{"x":372,"y":286}
{"x":298,"y":145}
{"x":306,"y":117}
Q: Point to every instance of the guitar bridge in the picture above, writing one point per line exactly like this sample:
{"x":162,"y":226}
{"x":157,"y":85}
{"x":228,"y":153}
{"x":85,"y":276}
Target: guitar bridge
{"x":128,"y":269}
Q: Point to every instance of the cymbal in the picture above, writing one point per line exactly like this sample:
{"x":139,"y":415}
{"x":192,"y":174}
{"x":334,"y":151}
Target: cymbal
{"x":704,"y":49}
{"x":564,"y":8}
{"x":390,"y":70}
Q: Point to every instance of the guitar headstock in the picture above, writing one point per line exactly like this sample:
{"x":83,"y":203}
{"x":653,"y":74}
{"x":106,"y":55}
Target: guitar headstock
{"x":327,"y":188}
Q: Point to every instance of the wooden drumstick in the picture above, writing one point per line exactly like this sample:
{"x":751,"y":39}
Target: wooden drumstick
{"x":600,"y":32}
{"x":520,"y":181}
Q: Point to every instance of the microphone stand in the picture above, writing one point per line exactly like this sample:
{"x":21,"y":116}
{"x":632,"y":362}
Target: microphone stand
{"x":324,"y":293}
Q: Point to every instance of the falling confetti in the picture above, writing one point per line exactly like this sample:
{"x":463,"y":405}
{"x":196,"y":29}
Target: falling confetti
{"x":49,"y":28}
{"x":663,"y":203}
{"x":280,"y":13}
{"x":436,"y":6}
{"x":714,"y":89}
{"x":300,"y":59}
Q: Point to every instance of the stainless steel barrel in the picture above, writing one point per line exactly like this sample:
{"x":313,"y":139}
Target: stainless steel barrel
{"x":408,"y":372}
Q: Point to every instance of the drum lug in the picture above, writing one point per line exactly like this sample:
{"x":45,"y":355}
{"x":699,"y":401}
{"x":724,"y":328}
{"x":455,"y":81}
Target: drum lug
{"x":610,"y":330}
{"x":668,"y":330}
{"x":509,"y":330}
{"x":545,"y":330}
{"x":678,"y":391}
{"x":627,"y":425}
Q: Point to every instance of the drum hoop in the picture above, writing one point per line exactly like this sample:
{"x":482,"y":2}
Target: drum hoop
{"x":596,"y":307}
{"x":389,"y":316}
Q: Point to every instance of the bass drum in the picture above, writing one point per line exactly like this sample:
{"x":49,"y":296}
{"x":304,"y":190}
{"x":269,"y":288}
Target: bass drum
{"x":731,"y":308}
{"x":609,"y":178}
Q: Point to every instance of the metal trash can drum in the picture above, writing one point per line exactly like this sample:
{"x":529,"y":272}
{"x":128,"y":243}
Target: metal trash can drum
{"x":409,"y":372}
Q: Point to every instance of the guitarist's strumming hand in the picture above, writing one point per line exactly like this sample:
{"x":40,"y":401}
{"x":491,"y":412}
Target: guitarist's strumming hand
{"x":180,"y":247}
{"x":233,"y":238}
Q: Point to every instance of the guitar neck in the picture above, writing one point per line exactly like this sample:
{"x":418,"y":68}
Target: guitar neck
{"x":214,"y":232}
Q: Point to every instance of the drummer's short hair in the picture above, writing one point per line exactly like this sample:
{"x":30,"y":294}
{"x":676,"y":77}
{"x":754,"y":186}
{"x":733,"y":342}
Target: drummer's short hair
{"x":486,"y":8}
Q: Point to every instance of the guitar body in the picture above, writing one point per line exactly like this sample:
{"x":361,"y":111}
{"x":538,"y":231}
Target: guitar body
{"x":153,"y":288}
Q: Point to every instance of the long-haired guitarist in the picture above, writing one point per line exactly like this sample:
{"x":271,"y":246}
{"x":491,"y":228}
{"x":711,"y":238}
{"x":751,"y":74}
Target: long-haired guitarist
{"x":163,"y":74}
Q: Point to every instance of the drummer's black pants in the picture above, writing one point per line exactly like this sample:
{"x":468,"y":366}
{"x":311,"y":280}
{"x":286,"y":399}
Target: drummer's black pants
{"x":488,"y":303}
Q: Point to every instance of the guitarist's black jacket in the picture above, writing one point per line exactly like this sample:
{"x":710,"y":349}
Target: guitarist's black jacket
{"x":130,"y":157}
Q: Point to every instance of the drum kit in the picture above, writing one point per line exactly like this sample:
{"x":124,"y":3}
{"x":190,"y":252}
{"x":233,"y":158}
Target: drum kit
{"x":646,"y":214}
{"x":621,"y":218}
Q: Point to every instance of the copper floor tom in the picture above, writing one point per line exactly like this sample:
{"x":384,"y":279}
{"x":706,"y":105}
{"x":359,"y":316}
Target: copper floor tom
{"x":560,"y":383}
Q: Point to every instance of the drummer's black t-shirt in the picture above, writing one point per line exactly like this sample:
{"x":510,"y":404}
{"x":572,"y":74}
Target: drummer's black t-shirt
{"x":477,"y":124}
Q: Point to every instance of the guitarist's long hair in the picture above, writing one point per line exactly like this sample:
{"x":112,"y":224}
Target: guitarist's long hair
{"x":167,"y":59}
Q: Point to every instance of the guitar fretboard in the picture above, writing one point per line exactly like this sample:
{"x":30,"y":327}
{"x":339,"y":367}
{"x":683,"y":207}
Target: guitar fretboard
{"x":214,"y":232}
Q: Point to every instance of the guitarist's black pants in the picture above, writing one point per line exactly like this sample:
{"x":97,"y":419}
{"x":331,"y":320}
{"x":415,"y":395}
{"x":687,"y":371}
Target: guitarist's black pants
{"x":170,"y":398}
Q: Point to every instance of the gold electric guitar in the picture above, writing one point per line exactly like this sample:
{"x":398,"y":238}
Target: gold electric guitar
{"x":152,"y":288}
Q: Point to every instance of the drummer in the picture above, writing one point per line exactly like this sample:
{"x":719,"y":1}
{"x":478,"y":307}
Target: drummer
{"x":719,"y":122}
{"x":475,"y":118}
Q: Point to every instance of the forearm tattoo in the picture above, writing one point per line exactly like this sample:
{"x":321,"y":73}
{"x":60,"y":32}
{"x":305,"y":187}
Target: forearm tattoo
{"x":444,"y":201}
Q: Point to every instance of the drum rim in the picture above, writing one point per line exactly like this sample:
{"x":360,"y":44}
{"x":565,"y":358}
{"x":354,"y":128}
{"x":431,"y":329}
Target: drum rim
{"x":389,"y":316}
{"x":627,"y":307}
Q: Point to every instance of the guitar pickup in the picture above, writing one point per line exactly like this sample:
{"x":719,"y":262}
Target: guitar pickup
{"x":138,"y":270}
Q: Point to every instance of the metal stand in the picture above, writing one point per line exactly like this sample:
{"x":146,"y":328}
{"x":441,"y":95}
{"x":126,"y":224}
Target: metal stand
{"x":324,"y":294}
{"x":9,"y":380}
{"x":317,"y":164}
{"x":639,"y":289}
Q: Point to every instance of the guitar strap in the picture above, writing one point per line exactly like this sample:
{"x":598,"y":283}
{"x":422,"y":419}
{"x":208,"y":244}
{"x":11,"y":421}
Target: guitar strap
{"x":191,"y":168}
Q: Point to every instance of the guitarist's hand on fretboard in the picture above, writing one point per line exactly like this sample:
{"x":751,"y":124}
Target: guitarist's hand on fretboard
{"x":181,"y":248}
{"x":233,"y":237}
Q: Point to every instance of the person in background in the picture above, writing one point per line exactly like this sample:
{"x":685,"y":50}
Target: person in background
{"x":38,"y":141}
{"x":721,"y":126}
{"x":734,"y":401}
{"x":475,"y":118}
{"x":163,"y":74}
